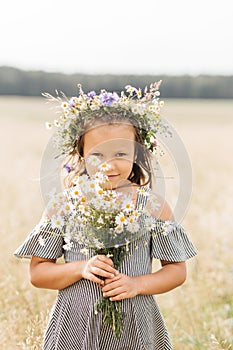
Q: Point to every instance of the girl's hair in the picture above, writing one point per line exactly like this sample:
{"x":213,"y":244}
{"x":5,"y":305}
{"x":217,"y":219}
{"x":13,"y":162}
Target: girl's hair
{"x":141,"y":173}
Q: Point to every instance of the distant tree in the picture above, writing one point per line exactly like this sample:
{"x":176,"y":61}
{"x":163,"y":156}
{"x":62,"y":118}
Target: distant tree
{"x":14,"y":81}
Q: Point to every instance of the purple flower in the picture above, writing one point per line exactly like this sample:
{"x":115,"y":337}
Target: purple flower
{"x":108,"y":98}
{"x":91,"y":94}
{"x":67,"y":168}
{"x":72,"y":103}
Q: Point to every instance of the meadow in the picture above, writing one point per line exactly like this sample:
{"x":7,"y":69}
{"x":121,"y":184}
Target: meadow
{"x":199,"y":314}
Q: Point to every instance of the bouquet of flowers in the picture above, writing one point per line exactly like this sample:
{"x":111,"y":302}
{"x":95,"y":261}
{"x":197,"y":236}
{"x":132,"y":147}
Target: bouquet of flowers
{"x":104,"y":222}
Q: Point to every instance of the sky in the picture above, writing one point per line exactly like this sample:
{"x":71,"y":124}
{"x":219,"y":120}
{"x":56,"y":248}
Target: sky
{"x":118,"y":37}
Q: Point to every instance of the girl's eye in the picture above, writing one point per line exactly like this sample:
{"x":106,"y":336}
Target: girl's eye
{"x":120,"y":154}
{"x":96,"y":154}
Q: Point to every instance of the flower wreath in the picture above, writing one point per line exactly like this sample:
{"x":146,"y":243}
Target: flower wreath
{"x":132,"y":105}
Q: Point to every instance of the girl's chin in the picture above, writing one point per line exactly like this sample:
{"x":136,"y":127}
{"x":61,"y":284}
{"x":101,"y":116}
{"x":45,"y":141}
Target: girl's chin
{"x":110,"y":186}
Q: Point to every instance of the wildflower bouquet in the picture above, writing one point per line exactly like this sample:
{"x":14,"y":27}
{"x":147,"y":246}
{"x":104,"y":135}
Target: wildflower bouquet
{"x":104,"y":222}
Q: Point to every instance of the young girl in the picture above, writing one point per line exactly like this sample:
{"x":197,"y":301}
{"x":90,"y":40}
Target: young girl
{"x":120,"y":132}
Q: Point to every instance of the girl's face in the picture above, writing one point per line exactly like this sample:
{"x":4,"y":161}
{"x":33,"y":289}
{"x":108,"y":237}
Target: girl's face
{"x":112,"y":144}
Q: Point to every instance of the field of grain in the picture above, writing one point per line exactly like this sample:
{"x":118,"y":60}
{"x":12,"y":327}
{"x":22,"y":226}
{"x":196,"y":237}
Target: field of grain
{"x":199,"y":315}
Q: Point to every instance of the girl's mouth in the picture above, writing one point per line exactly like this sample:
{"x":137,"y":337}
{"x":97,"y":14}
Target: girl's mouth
{"x":112,"y":176}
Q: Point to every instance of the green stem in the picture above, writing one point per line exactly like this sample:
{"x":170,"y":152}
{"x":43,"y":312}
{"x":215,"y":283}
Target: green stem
{"x":112,"y":310}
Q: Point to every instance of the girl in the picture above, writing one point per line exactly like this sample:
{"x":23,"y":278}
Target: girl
{"x":120,"y":132}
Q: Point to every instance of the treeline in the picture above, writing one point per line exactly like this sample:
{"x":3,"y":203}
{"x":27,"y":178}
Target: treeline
{"x":14,"y":81}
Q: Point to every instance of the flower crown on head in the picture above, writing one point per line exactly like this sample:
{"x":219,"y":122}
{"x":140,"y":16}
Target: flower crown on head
{"x":144,"y":108}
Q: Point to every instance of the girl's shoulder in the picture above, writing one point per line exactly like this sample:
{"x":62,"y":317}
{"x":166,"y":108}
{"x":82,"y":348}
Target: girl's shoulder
{"x":165,"y":211}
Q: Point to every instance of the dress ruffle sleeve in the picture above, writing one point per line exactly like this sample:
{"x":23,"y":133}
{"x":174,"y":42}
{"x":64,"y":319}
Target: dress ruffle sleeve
{"x":170,"y":242}
{"x":44,"y":241}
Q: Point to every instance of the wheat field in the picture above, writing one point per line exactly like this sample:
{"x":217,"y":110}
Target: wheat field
{"x":199,"y":314}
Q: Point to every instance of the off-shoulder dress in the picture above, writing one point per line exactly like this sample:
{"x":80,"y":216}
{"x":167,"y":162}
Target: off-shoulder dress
{"x":73,"y":324}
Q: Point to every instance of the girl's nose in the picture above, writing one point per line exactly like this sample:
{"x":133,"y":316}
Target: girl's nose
{"x":112,"y":162}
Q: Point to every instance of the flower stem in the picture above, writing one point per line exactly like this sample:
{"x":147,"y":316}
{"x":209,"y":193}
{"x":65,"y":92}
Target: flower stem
{"x":112,"y":310}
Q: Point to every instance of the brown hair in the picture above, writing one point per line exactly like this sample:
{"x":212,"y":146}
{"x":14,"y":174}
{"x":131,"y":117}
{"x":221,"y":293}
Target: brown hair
{"x":141,"y":170}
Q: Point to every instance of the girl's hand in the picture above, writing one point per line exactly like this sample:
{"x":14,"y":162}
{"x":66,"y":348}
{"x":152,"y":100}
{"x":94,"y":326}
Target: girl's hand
{"x":120,"y":287}
{"x":99,"y":265}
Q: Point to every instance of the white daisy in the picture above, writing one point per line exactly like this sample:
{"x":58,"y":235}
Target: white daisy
{"x":121,"y":219}
{"x":134,"y":227}
{"x":119,"y":229}
{"x":56,"y":123}
{"x":136,"y":214}
{"x":84,"y":251}
{"x":48,"y":125}
{"x":68,"y":244}
{"x":143,"y":191}
{"x":153,"y":202}
{"x":91,"y":186}
{"x":57,"y":221}
{"x":136,"y":109}
{"x":127,"y":205}
{"x":75,"y":192}
{"x":100,"y":177}
{"x":64,"y":105}
{"x":104,"y":166}
{"x":150,"y":222}
{"x":131,"y":219}
{"x":93,"y":160}
{"x":78,"y":238}
{"x":139,"y":93}
{"x":99,"y":245}
{"x":166,"y":228}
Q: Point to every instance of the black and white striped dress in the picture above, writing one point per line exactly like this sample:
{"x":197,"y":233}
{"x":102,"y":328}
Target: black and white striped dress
{"x":73,"y":324}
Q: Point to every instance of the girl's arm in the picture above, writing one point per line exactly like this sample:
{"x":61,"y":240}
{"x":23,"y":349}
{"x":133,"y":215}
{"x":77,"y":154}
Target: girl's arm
{"x":46,"y":273}
{"x":170,"y":276}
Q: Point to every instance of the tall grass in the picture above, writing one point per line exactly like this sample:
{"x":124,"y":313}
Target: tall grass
{"x":199,"y":314}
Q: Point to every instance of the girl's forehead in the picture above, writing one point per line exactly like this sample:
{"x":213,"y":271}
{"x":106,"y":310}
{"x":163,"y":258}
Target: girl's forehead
{"x":109,"y":136}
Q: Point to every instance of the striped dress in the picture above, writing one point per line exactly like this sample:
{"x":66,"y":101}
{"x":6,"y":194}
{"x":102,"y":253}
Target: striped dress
{"x":73,"y":324}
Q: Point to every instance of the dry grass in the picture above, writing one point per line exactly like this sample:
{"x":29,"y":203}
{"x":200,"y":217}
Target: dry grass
{"x":199,"y":314}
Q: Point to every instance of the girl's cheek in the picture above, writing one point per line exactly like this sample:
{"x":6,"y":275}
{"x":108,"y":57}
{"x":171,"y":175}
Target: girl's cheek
{"x":91,"y":170}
